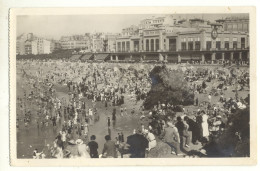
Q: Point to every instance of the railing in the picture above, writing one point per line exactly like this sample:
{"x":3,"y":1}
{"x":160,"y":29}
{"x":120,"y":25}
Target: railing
{"x":165,"y":51}
{"x":223,"y":49}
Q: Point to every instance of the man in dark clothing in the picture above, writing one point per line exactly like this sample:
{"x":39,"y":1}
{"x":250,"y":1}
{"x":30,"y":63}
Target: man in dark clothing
{"x":199,"y":121}
{"x":108,"y":121}
{"x":113,"y":116}
{"x":114,"y":111}
{"x":204,"y":85}
{"x":93,"y":146}
{"x":54,"y":121}
{"x":59,"y":142}
{"x":183,"y":132}
{"x":197,"y":101}
{"x":109,"y":148}
{"x":194,"y":128}
{"x":138,"y":143}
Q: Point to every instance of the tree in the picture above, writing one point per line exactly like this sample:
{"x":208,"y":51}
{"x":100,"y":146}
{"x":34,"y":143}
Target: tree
{"x":168,"y":87}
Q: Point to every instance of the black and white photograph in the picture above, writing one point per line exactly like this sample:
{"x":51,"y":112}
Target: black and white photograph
{"x":134,"y":85}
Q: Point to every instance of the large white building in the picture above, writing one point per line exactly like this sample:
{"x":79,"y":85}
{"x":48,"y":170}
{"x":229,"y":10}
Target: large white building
{"x":20,"y":44}
{"x":76,"y":42}
{"x":30,"y":44}
{"x":110,"y":42}
{"x":38,"y":46}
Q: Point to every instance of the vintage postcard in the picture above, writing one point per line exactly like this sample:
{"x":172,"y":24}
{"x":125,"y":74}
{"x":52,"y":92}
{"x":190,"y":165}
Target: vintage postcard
{"x":133,"y":86}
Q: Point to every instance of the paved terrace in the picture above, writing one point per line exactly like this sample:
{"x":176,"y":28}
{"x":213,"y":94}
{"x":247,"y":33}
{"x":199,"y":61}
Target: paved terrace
{"x":201,"y":56}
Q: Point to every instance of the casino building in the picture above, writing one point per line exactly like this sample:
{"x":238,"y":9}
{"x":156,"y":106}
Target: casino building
{"x":172,"y":40}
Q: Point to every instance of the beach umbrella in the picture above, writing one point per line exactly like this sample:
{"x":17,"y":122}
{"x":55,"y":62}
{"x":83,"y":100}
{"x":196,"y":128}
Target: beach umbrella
{"x":200,"y":70}
{"x":116,"y":69}
{"x":234,"y":71}
{"x":223,"y":71}
{"x":131,"y":67}
{"x":183,"y":68}
{"x":141,"y":66}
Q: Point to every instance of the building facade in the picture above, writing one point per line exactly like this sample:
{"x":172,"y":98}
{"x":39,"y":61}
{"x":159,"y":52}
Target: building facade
{"x":157,"y":38}
{"x":129,"y":31}
{"x":188,"y":40}
{"x":235,"y":24}
{"x":31,"y":44}
{"x":98,"y":42}
{"x":55,"y":45}
{"x":76,"y":42}
{"x":20,"y":44}
{"x":110,"y":42}
{"x":38,"y":46}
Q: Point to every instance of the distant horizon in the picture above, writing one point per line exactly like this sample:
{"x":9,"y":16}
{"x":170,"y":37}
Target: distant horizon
{"x":56,"y":26}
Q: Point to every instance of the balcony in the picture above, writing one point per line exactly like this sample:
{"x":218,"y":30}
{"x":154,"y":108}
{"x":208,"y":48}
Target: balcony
{"x":223,"y":49}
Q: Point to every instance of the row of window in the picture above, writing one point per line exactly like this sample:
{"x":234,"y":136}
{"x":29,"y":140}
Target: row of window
{"x":157,"y":21}
{"x":123,"y":47}
{"x":190,"y":39}
{"x":153,"y":44}
{"x":76,"y":44}
{"x":148,"y":22}
{"x":236,"y":27}
{"x":151,"y":32}
{"x":209,"y":45}
{"x":190,"y":46}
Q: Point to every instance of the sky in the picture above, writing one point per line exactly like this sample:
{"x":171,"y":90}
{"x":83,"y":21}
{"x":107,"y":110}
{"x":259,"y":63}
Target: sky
{"x":55,"y":26}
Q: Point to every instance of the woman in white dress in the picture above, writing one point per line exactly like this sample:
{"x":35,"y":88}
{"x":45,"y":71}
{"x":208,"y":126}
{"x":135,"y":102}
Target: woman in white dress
{"x":151,"y":138}
{"x":204,"y":125}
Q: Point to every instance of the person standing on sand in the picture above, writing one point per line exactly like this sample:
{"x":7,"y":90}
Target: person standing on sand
{"x":86,"y":129}
{"x":204,"y":124}
{"x":151,"y":138}
{"x":194,"y":128}
{"x":108,"y":121}
{"x":172,"y":138}
{"x":121,"y":111}
{"x":114,"y":116}
{"x":109,"y":149}
{"x":125,"y":111}
{"x":209,"y":97}
{"x":93,"y":146}
{"x":82,"y":149}
{"x":183,"y":132}
{"x":138,"y":144}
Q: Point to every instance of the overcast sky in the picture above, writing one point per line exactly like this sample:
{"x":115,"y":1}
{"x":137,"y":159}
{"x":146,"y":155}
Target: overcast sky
{"x":57,"y":26}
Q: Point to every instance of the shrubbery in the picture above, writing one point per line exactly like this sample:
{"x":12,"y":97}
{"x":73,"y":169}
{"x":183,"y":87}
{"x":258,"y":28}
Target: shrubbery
{"x":168,"y":87}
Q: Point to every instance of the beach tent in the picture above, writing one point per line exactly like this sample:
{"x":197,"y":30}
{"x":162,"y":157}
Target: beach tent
{"x":101,"y":57}
{"x":75,"y":58}
{"x":87,"y":57}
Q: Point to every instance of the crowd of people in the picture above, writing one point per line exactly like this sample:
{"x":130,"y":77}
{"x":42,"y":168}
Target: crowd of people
{"x":116,"y":86}
{"x":210,"y":118}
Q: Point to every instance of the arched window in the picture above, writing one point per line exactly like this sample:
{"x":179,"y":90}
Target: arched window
{"x":152,"y":45}
{"x":147,"y":44}
{"x":157,"y":45}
